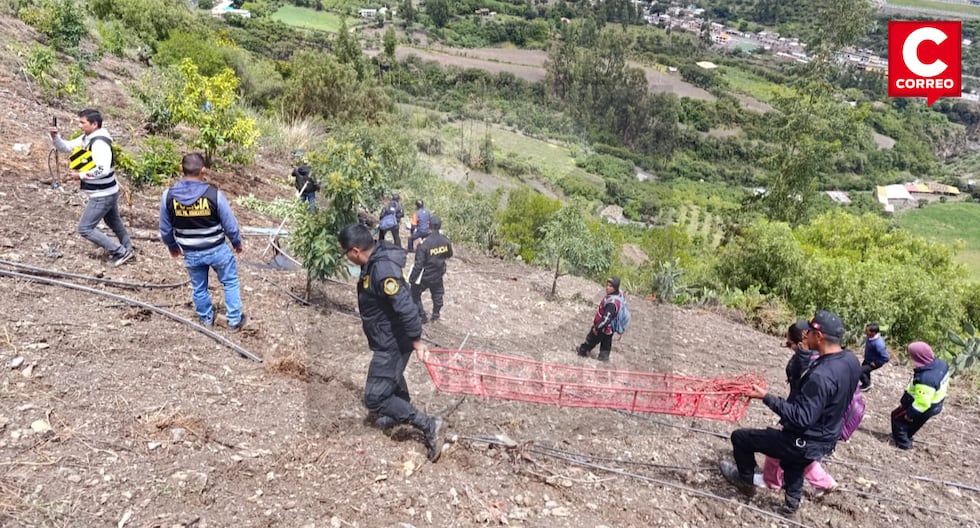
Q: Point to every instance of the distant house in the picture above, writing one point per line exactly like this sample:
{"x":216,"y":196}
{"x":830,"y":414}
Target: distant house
{"x":367,"y":13}
{"x":894,"y":195}
{"x":224,"y":7}
{"x":940,"y":188}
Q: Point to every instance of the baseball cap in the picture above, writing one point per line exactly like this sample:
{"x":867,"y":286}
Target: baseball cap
{"x":614,"y":281}
{"x":828,"y":323}
{"x":435,"y":222}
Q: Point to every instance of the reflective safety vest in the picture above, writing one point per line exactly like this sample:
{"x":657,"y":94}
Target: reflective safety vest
{"x":196,"y":226}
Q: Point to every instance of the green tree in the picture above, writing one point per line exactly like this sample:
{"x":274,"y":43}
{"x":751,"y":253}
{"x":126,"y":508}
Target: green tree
{"x":568,"y":245}
{"x":210,"y":104}
{"x":348,"y":50}
{"x":347,"y":178}
{"x":521,"y":221}
{"x":438,"y":11}
{"x":390,"y":42}
{"x":319,"y":86}
{"x":151,"y":20}
{"x":199,"y":48}
{"x":408,"y":12}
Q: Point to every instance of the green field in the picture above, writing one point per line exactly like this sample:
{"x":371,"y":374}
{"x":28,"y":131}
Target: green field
{"x":308,"y":18}
{"x":949,"y":223}
{"x":751,"y":84}
{"x":937,"y":6}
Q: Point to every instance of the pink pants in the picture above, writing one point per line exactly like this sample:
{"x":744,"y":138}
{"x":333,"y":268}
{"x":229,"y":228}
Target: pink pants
{"x":772,"y":475}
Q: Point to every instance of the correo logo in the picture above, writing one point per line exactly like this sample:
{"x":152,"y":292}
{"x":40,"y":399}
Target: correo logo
{"x":924,"y":59}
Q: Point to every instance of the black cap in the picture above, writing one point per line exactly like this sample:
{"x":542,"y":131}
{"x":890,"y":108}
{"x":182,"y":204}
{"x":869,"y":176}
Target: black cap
{"x":828,"y":323}
{"x":435,"y":222}
{"x":396,"y":197}
{"x":303,"y":170}
{"x":419,"y":204}
{"x":614,"y":281}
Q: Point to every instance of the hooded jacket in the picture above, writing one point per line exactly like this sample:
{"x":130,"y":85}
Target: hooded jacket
{"x":207,"y":230}
{"x":389,"y":316}
{"x":927,"y":390}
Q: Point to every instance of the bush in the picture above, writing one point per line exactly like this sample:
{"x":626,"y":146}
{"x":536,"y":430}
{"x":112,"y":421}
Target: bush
{"x":521,"y":221}
{"x":63,"y":21}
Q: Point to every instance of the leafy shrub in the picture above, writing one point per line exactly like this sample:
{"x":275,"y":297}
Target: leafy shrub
{"x":114,"y":38}
{"x":521,"y":221}
{"x":606,"y":166}
{"x":199,"y":48}
{"x":63,"y":21}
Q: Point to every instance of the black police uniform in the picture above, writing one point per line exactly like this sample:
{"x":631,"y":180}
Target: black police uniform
{"x":429,"y":268}
{"x":391,"y":323}
{"x":812,"y":421}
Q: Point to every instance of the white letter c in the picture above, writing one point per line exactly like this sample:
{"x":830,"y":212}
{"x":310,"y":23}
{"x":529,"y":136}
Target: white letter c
{"x":910,"y":52}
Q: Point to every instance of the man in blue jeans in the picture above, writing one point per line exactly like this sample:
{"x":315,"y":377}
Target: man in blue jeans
{"x":195,"y":219}
{"x":98,"y":181}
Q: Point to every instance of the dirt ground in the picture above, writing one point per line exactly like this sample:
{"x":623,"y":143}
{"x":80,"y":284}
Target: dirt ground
{"x":121,"y":417}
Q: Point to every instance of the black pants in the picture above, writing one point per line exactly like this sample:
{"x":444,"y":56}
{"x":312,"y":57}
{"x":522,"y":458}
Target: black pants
{"x":596,"y":337}
{"x":865,"y":378}
{"x":437,"y":289}
{"x":416,"y":235}
{"x":395,"y":237}
{"x":386,"y":391}
{"x":904,"y":429}
{"x":776,"y":444}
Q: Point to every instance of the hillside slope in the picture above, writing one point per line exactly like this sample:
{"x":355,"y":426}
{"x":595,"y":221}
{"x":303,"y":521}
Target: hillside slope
{"x":152,"y":424}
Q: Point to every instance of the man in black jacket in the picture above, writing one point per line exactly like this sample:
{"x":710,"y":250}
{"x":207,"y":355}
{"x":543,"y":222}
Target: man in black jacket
{"x":391,"y":323}
{"x":429,"y":268}
{"x":812,"y":419}
{"x":306,"y":186}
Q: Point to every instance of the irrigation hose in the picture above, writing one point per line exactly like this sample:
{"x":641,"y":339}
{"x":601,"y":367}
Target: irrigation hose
{"x":121,"y":284}
{"x":166,"y":313}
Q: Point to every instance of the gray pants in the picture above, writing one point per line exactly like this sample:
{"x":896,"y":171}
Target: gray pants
{"x":105,"y":208}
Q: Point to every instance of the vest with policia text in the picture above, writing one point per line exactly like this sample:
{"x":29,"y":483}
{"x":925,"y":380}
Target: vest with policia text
{"x":196,"y":226}
{"x":81,"y":160}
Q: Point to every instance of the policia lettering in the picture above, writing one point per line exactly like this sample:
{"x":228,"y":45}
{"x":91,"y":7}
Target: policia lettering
{"x":202,"y":207}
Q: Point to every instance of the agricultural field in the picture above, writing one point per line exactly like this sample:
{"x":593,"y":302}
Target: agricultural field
{"x":949,"y":223}
{"x":930,"y":5}
{"x":748,"y":83}
{"x":695,"y":221}
{"x":305,"y":17}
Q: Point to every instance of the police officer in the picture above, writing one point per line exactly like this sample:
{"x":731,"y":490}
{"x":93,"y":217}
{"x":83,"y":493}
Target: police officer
{"x":429,"y":268}
{"x":812,"y":418}
{"x":391,"y":323}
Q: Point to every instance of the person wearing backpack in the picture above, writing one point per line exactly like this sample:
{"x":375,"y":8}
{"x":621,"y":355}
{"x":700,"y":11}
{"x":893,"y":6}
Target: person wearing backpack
{"x":391,"y":217}
{"x":92,"y":155}
{"x":420,"y":224}
{"x":602,"y":329}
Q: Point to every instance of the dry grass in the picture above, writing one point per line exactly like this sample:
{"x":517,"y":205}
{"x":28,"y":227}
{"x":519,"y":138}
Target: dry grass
{"x":291,"y":366}
{"x":162,"y":421}
{"x":280,"y":137}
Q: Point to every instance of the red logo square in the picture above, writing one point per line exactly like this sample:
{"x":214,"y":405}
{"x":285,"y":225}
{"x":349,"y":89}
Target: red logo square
{"x":925,"y":59}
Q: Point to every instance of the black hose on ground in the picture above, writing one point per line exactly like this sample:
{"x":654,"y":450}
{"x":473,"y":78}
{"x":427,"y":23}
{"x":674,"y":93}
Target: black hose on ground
{"x":166,"y":313}
{"x":122,"y":284}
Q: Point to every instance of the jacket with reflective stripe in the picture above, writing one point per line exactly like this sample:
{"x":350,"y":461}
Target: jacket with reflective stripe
{"x":100,"y":181}
{"x":196,"y":226}
{"x":927,"y":388}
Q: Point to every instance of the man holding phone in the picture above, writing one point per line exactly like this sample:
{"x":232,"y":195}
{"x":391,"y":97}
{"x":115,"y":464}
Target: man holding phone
{"x":98,"y":180}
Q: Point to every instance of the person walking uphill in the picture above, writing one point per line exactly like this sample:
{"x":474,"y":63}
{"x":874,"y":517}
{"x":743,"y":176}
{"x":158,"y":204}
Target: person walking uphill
{"x":875,"y":354}
{"x":812,"y":419}
{"x":92,"y":154}
{"x":420,"y":224}
{"x":601,"y":332}
{"x":390,"y":219}
{"x":429,"y":268}
{"x":390,"y":320}
{"x":924,"y":396}
{"x":195,"y":219}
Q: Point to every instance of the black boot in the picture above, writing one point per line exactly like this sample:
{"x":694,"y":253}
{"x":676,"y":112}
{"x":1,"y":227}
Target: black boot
{"x":789,"y":507}
{"x":603,"y":356}
{"x":730,"y":472}
{"x":581,"y":351}
{"x":435,"y":316}
{"x":430,"y":427}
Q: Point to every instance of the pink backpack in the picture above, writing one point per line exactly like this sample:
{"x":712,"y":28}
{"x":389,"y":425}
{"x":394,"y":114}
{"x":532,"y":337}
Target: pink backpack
{"x":853,"y":415}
